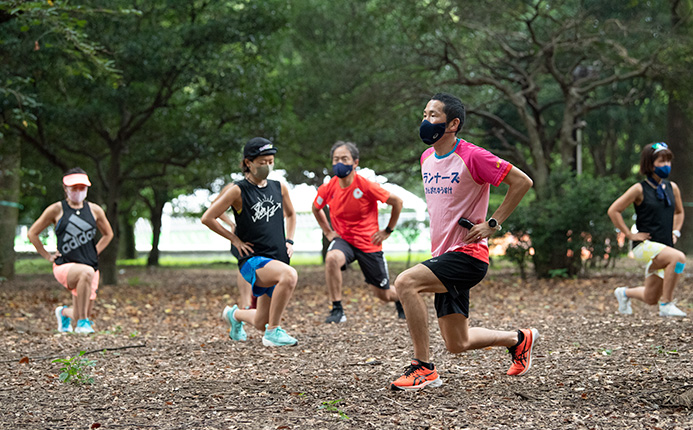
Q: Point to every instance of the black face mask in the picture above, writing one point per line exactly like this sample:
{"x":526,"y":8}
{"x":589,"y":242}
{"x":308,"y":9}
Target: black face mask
{"x":431,"y":133}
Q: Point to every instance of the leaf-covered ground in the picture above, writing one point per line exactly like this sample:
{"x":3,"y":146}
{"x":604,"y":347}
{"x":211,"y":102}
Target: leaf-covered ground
{"x":164,"y":361}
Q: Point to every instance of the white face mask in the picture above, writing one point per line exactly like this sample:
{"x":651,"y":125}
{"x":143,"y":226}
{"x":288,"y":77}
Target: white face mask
{"x":77,"y":196}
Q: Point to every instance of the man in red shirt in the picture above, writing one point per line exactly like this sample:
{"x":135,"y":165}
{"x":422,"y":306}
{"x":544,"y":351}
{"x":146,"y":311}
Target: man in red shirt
{"x":353,"y":202}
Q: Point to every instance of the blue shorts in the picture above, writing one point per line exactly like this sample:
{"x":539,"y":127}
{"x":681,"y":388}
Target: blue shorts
{"x":248,"y":272}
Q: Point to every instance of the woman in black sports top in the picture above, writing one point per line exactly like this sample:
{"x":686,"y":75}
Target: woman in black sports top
{"x":75,"y":263}
{"x":660,"y":215}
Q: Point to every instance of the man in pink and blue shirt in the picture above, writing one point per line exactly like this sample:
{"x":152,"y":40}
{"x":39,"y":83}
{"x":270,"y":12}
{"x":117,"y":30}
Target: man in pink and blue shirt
{"x":457,"y":176}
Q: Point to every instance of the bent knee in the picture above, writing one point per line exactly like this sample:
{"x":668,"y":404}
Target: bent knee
{"x":456,"y":346}
{"x":289,"y":277}
{"x":333,"y":258}
{"x":86,"y":275}
{"x":384,"y":295}
{"x":404,"y":283}
{"x":680,"y":257}
{"x":651,"y":300}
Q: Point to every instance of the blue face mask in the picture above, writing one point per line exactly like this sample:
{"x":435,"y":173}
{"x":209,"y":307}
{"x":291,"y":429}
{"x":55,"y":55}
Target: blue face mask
{"x":431,"y":133}
{"x":342,"y":170}
{"x":662,"y":171}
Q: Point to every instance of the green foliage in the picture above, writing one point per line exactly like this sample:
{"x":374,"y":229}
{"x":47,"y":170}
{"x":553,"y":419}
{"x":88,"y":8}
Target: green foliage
{"x":558,"y":273}
{"x":30,"y":29}
{"x":75,"y":369}
{"x":572,"y":218}
{"x":162,"y":98}
{"x":410,"y":231}
{"x":330,"y":407}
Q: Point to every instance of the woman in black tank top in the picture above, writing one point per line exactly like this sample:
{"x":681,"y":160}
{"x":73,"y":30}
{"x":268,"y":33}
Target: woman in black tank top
{"x":660,"y":215}
{"x":263,"y":248}
{"x":75,"y":263}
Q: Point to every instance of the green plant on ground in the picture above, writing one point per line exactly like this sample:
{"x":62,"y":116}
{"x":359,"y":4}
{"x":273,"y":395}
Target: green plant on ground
{"x":662,"y":350}
{"x":330,"y":407}
{"x":75,"y":369}
{"x":558,"y":273}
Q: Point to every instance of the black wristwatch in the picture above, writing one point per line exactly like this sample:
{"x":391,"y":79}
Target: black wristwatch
{"x":289,"y":241}
{"x":493,"y":223}
{"x":388,"y":230}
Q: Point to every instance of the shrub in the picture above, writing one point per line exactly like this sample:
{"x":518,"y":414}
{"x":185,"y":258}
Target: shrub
{"x":570,"y":220}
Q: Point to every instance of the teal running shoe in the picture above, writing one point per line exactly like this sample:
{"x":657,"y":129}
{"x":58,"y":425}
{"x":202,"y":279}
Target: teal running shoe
{"x":64,"y":323}
{"x":277,"y":337}
{"x":84,"y":326}
{"x":236,"y":330}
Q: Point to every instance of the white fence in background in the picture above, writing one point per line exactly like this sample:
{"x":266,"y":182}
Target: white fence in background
{"x":183,"y":234}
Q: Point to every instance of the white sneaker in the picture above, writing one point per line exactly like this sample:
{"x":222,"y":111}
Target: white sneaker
{"x":623,"y":301}
{"x":64,"y":323}
{"x":670,"y":310}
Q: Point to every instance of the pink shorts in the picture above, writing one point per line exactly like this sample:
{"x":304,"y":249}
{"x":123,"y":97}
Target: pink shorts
{"x":60,"y":272}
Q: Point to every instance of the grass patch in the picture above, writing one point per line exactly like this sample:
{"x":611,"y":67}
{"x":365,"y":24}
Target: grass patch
{"x":33,"y":266}
{"x":39,"y":266}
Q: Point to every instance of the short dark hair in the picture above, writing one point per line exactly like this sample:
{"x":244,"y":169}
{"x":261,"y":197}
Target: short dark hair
{"x":74,"y":170}
{"x":452,"y":108}
{"x":649,"y":155}
{"x":350,"y":146}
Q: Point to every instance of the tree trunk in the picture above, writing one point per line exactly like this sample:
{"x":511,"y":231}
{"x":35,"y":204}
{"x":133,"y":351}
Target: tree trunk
{"x":10,"y":157}
{"x":157,"y":211}
{"x":128,"y":249}
{"x":680,"y":139}
{"x":679,"y":129}
{"x":109,"y":257}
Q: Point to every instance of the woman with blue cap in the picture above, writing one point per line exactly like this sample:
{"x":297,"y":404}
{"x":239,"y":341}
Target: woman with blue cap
{"x":660,"y":215}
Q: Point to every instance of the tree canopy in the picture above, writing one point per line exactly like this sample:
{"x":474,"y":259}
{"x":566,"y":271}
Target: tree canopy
{"x":160,"y":96}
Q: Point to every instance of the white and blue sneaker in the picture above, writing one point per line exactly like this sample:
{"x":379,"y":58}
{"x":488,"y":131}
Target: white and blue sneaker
{"x":670,"y":310}
{"x":236,"y":330}
{"x":64,"y":323}
{"x":84,"y":326}
{"x":624,"y":306}
{"x":277,"y":337}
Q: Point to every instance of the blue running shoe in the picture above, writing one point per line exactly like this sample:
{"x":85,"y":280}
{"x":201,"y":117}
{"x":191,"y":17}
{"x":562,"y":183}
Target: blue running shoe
{"x":236,"y":330}
{"x":84,"y":326}
{"x":64,"y":323}
{"x":277,"y":337}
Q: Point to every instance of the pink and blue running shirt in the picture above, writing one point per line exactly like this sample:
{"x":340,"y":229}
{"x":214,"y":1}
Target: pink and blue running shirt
{"x":457,"y":185}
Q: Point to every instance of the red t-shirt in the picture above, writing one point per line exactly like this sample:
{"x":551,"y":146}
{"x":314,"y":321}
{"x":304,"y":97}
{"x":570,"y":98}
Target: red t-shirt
{"x":353,"y":210}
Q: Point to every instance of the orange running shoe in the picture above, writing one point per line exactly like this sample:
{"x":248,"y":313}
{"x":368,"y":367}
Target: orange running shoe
{"x":522,"y":353}
{"x":416,"y":377}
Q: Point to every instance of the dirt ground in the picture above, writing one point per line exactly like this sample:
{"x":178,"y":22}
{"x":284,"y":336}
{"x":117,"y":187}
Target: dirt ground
{"x":164,"y":361}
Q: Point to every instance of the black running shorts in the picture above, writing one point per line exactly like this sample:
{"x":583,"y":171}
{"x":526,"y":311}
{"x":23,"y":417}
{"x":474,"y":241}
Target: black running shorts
{"x":373,"y":264}
{"x":458,"y":272}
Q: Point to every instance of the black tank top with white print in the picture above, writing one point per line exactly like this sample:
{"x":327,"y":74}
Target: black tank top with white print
{"x":76,"y":233}
{"x":261,"y":221}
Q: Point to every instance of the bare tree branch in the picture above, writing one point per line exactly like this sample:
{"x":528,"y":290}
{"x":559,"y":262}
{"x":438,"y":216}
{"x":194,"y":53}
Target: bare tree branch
{"x":500,"y":122}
